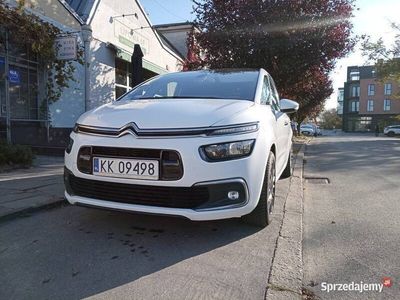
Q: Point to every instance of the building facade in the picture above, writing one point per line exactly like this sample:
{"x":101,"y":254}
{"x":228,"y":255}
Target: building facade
{"x":107,"y":31}
{"x":368,"y":102}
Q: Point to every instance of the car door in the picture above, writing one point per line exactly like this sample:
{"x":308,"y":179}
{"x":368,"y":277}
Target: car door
{"x":283,"y":128}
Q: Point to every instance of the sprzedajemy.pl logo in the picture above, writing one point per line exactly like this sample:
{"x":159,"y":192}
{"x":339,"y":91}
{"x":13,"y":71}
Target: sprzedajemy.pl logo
{"x":357,"y":286}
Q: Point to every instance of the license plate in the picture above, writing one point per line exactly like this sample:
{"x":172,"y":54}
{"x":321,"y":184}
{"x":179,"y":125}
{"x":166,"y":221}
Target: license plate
{"x":125,"y":168}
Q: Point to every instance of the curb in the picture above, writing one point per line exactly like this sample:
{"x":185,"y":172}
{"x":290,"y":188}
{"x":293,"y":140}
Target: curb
{"x":26,"y":212}
{"x":285,"y":280}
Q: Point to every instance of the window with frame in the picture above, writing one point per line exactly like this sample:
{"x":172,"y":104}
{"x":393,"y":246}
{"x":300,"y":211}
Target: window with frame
{"x":123,"y":80}
{"x":355,"y":106}
{"x":388,"y":88}
{"x":370,"y":105}
{"x":371,"y":89}
{"x":355,"y":91}
{"x":387,"y":104}
{"x":355,"y":75}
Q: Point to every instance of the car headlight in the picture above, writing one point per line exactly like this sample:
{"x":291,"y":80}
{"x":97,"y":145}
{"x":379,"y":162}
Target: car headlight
{"x":235,"y":129}
{"x":227,"y":151}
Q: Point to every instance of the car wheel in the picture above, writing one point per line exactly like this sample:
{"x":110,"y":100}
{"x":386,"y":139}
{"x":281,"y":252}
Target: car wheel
{"x":289,"y":167}
{"x":261,"y":215}
{"x":390,"y":133}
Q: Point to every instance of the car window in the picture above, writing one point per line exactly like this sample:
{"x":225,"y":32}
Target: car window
{"x":265,"y":93}
{"x":274,"y":99}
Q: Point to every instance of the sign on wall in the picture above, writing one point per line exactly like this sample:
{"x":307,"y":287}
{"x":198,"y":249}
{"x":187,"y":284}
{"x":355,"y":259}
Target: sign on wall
{"x":66,"y":48}
{"x":13,"y":77}
{"x":129,"y":36}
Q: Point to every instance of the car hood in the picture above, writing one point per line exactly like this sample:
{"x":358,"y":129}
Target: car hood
{"x":164,"y":113}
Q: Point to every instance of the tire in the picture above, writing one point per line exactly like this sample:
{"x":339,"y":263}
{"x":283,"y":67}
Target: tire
{"x":390,"y":133}
{"x":289,"y":167}
{"x":261,"y":215}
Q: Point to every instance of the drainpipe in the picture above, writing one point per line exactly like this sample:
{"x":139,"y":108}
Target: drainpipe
{"x":7,"y":90}
{"x":87,"y":36}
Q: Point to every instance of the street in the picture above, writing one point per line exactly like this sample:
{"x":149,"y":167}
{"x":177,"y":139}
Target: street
{"x":351,"y":224}
{"x":73,"y":252}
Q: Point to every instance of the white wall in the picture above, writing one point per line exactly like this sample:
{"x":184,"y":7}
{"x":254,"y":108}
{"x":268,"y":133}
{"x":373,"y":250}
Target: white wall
{"x":66,"y":110}
{"x":108,"y":29}
{"x":102,"y":74}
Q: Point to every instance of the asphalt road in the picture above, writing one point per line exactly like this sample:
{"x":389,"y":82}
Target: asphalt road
{"x":352,"y":224}
{"x":73,"y":252}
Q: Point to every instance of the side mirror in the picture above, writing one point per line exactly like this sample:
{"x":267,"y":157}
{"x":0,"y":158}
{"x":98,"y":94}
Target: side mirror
{"x":289,"y":106}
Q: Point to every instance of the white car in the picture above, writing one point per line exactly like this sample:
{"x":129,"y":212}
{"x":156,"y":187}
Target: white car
{"x":307,"y":129}
{"x":391,"y":130}
{"x":204,"y":145}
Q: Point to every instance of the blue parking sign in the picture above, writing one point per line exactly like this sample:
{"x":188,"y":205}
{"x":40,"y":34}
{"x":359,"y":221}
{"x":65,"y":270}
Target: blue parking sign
{"x":13,"y":76}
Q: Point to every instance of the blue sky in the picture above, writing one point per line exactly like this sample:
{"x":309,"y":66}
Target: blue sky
{"x":171,"y":11}
{"x":372,"y":17}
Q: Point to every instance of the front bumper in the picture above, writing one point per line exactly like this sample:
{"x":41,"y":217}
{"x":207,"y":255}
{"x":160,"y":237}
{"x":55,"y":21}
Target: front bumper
{"x":201,"y":194}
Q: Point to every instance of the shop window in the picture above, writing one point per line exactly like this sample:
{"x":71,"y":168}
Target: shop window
{"x":123,"y":81}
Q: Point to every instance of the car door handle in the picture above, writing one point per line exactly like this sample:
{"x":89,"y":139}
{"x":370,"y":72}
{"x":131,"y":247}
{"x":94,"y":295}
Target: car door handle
{"x":286,"y":123}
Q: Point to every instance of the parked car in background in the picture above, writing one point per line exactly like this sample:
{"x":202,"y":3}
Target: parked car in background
{"x":392,"y":130}
{"x":307,"y":129}
{"x":204,"y":145}
{"x":319,"y":132}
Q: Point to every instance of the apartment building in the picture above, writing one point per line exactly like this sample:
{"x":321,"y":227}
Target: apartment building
{"x":366,"y":101}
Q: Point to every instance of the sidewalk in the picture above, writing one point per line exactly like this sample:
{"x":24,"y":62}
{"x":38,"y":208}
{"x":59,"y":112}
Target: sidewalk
{"x":27,"y":189}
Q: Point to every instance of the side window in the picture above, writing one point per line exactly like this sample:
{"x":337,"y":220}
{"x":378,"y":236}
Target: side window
{"x":265,"y":93}
{"x":274,"y":95}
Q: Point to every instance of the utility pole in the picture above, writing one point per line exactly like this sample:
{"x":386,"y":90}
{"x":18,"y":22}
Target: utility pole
{"x":7,"y":85}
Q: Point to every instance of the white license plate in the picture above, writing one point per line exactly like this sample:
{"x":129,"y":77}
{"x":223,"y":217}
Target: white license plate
{"x":125,"y":168}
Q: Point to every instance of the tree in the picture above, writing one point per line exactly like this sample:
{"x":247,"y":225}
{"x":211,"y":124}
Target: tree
{"x":387,"y":60}
{"x":330,"y":119}
{"x":297,"y":42}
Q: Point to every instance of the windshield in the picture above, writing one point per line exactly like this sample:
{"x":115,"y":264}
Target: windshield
{"x":198,"y":84}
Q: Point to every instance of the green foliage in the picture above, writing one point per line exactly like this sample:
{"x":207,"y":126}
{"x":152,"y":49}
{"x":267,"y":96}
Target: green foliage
{"x":15,"y":154}
{"x":25,"y":29}
{"x":331,"y":120}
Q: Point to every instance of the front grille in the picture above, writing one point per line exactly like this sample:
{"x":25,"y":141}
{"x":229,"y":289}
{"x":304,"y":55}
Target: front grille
{"x":175,"y":197}
{"x":126,"y":152}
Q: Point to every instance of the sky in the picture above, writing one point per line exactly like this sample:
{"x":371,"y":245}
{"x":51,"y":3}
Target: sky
{"x":372,"y":17}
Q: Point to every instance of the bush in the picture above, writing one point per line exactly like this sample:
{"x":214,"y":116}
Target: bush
{"x":15,"y":154}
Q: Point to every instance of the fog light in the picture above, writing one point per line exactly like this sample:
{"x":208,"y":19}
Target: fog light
{"x":233,"y":195}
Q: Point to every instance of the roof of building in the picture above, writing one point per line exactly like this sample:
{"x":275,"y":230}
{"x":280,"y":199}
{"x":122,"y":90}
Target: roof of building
{"x":81,"y":7}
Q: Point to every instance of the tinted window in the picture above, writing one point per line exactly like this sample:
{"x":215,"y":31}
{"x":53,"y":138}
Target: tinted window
{"x":274,"y":95}
{"x":199,"y":84}
{"x":265,"y":93}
